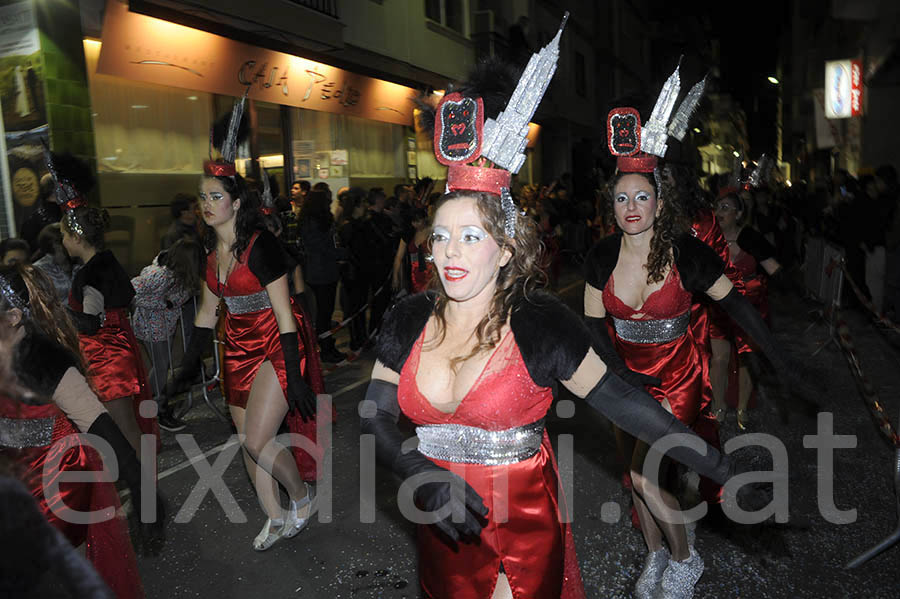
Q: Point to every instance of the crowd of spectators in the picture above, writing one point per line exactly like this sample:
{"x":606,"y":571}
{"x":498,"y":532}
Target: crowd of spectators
{"x":360,"y":248}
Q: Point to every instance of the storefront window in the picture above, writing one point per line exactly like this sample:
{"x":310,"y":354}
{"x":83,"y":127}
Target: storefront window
{"x":335,"y":148}
{"x":146,"y":128}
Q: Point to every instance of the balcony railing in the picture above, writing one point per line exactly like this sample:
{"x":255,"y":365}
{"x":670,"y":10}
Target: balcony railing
{"x":326,"y":7}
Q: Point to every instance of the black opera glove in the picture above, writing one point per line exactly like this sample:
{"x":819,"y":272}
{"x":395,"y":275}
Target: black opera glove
{"x":201,"y":337}
{"x":607,"y":352}
{"x":429,"y":496}
{"x":636,"y":412}
{"x":151,"y":531}
{"x":791,"y":374}
{"x":87,"y":324}
{"x":300,"y":396}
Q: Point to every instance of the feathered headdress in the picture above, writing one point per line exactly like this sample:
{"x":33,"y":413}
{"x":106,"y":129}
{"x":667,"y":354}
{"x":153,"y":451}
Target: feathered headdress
{"x":464,"y":134}
{"x":72,"y":179}
{"x":638,"y":149}
{"x":226,"y":139}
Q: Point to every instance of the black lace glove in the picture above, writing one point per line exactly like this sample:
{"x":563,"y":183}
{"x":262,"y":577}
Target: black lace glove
{"x":200,"y":340}
{"x":87,"y":324}
{"x":792,"y":375}
{"x":428,"y":496}
{"x":300,"y":396}
{"x":607,"y":352}
{"x":151,"y":529}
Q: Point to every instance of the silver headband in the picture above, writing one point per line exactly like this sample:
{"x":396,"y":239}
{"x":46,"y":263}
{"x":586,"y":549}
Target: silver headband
{"x":510,"y":213}
{"x":73,"y":224}
{"x":11,"y":296}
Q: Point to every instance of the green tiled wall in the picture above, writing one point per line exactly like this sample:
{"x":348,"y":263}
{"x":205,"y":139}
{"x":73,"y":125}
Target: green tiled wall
{"x":68,"y":99}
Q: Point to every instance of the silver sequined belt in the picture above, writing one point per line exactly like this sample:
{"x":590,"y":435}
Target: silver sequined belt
{"x":473,"y":445}
{"x":652,"y":331}
{"x":244,"y":304}
{"x":31,"y":432}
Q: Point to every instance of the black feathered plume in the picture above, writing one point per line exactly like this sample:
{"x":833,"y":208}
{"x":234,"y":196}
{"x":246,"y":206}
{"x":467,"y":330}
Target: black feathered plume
{"x":230,"y":130}
{"x":493,"y":80}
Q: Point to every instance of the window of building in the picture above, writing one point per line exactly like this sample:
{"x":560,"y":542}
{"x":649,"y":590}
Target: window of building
{"x":449,"y":13}
{"x":580,"y":75}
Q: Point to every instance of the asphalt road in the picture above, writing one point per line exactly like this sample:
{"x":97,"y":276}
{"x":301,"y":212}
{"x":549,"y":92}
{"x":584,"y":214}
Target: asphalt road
{"x":210,"y":555}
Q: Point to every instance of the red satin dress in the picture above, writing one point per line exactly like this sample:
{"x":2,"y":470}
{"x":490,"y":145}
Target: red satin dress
{"x":252,"y":338}
{"x":679,"y":363}
{"x":524,"y":532}
{"x":114,"y":364}
{"x":108,"y":546}
{"x":420,"y":270}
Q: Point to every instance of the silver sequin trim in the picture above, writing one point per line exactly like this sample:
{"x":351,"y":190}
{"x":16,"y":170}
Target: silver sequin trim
{"x":18,"y":433}
{"x":652,"y":331}
{"x":473,"y":445}
{"x":244,"y":304}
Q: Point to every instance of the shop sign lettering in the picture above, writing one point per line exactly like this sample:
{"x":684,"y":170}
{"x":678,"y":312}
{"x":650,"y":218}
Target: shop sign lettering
{"x":315,"y":83}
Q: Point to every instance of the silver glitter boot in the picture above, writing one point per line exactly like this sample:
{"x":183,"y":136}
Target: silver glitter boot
{"x":654,"y":565}
{"x":680,"y":577}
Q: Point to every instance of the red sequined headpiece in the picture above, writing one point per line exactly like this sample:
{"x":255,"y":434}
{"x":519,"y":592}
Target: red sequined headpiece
{"x":217,"y":168}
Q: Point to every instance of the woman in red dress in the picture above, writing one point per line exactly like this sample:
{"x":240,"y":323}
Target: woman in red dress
{"x":472,"y":364}
{"x":40,"y":430}
{"x":99,"y":299}
{"x":753,"y":257}
{"x":268,"y":348}
{"x":413,"y":245}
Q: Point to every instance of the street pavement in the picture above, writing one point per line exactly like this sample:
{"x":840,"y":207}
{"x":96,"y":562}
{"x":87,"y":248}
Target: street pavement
{"x":209,"y":554}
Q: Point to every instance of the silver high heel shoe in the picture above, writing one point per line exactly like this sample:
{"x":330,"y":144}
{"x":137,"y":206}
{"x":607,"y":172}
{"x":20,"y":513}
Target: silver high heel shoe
{"x":271,"y":533}
{"x":654,"y":566}
{"x":294,"y":523}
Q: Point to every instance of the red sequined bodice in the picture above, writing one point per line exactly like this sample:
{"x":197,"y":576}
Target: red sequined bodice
{"x":668,"y":301}
{"x":503,"y":396}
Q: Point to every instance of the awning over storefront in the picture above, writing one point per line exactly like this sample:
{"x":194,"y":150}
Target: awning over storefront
{"x":146,"y":49}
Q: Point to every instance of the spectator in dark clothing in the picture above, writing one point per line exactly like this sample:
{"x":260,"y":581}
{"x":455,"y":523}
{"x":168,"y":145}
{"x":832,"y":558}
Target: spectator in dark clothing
{"x":321,"y":268}
{"x":184,"y":221}
{"x":14,"y":251}
{"x":299,"y":191}
{"x":354,"y":243}
{"x":380,"y":256}
{"x":54,"y":261}
{"x":47,"y":212}
{"x":886,"y":186}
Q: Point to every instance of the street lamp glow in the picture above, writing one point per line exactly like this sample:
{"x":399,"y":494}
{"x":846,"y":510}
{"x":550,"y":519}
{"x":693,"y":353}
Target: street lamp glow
{"x":736,"y":154}
{"x":696,"y":129}
{"x":718,"y":146}
{"x":773,"y":80}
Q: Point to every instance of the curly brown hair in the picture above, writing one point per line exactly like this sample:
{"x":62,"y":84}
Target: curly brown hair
{"x":47,"y":314}
{"x":522,"y":275}
{"x":670,"y":223}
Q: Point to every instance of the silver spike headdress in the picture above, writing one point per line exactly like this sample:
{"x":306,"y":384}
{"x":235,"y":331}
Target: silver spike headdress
{"x":12,"y":297}
{"x":67,"y":196}
{"x":225,"y":166}
{"x":462,"y":136}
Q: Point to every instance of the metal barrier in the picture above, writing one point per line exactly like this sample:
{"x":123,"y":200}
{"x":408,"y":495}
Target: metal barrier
{"x":170,"y":369}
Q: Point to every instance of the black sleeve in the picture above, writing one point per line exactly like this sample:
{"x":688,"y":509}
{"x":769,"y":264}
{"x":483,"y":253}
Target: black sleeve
{"x":266,"y":259}
{"x":41,"y":362}
{"x":401,"y":327}
{"x":601,"y":261}
{"x":552,"y":338}
{"x":105,"y":274}
{"x":752,"y":241}
{"x":697,"y":263}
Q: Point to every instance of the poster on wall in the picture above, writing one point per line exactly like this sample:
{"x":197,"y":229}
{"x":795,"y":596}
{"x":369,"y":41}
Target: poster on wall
{"x":23,"y":104}
{"x":302,"y":169}
{"x":338,"y":157}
